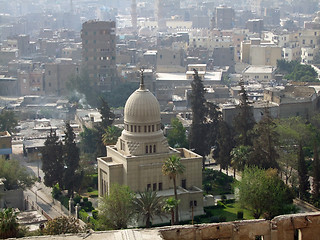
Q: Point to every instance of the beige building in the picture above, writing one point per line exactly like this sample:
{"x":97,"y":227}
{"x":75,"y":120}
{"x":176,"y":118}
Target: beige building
{"x":137,"y":158}
{"x":257,"y":52}
{"x":5,"y":143}
{"x":259,"y":73}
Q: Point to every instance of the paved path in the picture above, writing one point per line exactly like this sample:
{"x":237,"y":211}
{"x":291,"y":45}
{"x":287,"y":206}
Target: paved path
{"x":39,"y":194}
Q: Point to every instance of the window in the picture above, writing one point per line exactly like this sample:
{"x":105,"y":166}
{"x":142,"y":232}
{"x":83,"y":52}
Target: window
{"x":131,"y":128}
{"x":148,"y":186}
{"x":160,"y":186}
{"x":139,"y":128}
{"x":135,"y":128}
{"x":154,"y":187}
{"x":184,"y":183}
{"x":146,"y":149}
{"x":149,"y":128}
{"x":154,"y":148}
{"x":152,"y":128}
{"x":150,"y":148}
{"x":259,"y":237}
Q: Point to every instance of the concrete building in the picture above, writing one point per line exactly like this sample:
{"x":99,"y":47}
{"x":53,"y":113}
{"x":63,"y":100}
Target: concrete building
{"x":169,"y":60}
{"x":255,"y":25}
{"x":259,"y":73}
{"x":224,"y":17}
{"x":5,"y":143}
{"x":257,"y":52}
{"x":57,"y":74}
{"x":99,"y":52}
{"x":224,"y":57}
{"x":137,"y":158}
{"x":31,"y":82}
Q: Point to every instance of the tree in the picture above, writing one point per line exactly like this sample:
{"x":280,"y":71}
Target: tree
{"x":177,"y":135}
{"x":16,"y":176}
{"x":240,"y":157}
{"x":8,"y":121}
{"x":263,"y":192}
{"x":107,"y":118}
{"x":71,"y":159}
{"x":197,"y":131}
{"x":9,"y":226}
{"x":225,"y":144}
{"x":205,"y":118}
{"x":88,"y":140}
{"x":292,"y":132}
{"x":304,"y":185}
{"x":148,"y":205}
{"x":264,"y":154}
{"x":169,"y":206}
{"x":111,"y":135}
{"x":62,"y":225}
{"x":316,"y":174}
{"x":244,"y":121}
{"x":116,"y":209}
{"x":173,"y":167}
{"x":52,"y":160}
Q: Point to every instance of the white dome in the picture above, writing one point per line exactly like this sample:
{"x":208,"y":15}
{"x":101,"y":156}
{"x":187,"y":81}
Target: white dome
{"x":142,"y":107}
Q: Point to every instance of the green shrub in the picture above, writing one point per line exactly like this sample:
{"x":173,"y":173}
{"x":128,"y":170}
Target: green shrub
{"x":85,"y":199}
{"x":220,"y":204}
{"x":56,"y":192}
{"x":222,"y":218}
{"x":90,"y":189}
{"x":77,"y":199}
{"x":224,"y":198}
{"x":95,"y":214}
{"x":240,"y":215}
{"x":64,"y":201}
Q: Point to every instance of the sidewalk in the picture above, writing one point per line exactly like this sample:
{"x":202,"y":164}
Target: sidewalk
{"x":38,"y":194}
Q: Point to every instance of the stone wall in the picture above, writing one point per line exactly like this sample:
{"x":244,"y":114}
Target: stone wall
{"x":286,"y":227}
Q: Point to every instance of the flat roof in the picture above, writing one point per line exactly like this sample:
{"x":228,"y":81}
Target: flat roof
{"x":209,"y":76}
{"x":260,"y":69}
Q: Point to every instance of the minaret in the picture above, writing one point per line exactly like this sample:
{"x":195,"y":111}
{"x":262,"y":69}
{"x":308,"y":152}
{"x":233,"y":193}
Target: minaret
{"x":134,"y":16}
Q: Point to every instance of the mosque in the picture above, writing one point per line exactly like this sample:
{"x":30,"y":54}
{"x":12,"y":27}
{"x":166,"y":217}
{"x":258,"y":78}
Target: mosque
{"x":137,"y":158}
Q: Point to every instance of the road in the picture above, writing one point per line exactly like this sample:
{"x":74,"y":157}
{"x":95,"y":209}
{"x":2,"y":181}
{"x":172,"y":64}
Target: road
{"x":39,"y":194}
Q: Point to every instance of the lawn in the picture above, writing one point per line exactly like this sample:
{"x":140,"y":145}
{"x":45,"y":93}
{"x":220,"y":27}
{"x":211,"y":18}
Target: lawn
{"x":223,"y":213}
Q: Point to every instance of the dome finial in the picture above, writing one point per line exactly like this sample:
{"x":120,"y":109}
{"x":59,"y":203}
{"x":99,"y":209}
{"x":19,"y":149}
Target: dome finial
{"x":142,"y":79}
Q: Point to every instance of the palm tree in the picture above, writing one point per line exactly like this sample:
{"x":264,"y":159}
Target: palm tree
{"x":239,"y":158}
{"x":173,"y":167}
{"x":9,"y":227}
{"x":170,"y":205}
{"x":148,"y":205}
{"x":111,"y":135}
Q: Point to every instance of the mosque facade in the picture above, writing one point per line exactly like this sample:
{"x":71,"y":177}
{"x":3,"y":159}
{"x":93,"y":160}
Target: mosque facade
{"x":137,"y":158}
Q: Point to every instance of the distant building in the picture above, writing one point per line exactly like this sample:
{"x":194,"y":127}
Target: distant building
{"x":257,"y":52}
{"x":224,"y":57}
{"x":224,"y":17}
{"x":5,"y":144}
{"x":259,"y":73}
{"x":255,"y":25}
{"x":99,"y":52}
{"x":57,"y":74}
